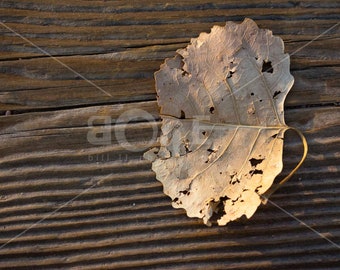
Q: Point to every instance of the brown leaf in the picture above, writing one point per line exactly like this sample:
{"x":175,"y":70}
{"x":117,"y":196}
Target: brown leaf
{"x":221,"y":101}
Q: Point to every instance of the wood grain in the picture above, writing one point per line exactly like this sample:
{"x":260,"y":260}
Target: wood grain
{"x":66,"y":203}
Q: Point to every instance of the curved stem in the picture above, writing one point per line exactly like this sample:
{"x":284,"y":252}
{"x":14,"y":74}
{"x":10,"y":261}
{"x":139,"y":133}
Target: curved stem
{"x":271,"y":190}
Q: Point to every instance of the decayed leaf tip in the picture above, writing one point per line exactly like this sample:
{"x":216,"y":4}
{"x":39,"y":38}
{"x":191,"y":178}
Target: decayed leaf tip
{"x":221,"y":101}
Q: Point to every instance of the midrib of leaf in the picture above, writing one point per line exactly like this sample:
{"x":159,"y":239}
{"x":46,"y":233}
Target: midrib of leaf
{"x":285,"y":127}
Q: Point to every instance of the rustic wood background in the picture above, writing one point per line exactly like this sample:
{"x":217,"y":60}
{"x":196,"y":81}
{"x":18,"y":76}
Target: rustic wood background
{"x":66,"y":203}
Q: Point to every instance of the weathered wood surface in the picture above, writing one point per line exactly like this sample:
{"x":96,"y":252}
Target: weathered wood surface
{"x":66,"y":203}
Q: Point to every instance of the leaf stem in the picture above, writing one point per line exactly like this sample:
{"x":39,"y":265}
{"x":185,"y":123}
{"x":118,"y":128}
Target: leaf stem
{"x":270,"y":191}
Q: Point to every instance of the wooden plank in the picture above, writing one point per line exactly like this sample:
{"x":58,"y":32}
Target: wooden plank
{"x":44,"y":83}
{"x":39,"y":82}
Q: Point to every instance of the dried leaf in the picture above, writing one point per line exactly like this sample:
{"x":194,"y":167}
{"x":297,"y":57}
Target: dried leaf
{"x":221,"y":102}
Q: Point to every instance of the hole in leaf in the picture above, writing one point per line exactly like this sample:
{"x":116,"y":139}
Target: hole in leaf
{"x":211,"y":150}
{"x":276,"y":94}
{"x":252,"y":172}
{"x":257,"y":189}
{"x":224,"y":198}
{"x":185,"y":192}
{"x":251,"y":93}
{"x":254,"y":161}
{"x":260,"y":100}
{"x":230,"y":74}
{"x":184,"y":73}
{"x":234,"y":201}
{"x":211,"y":110}
{"x":204,"y":132}
{"x":182,"y":115}
{"x":234,"y":180}
{"x":267,"y":67}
